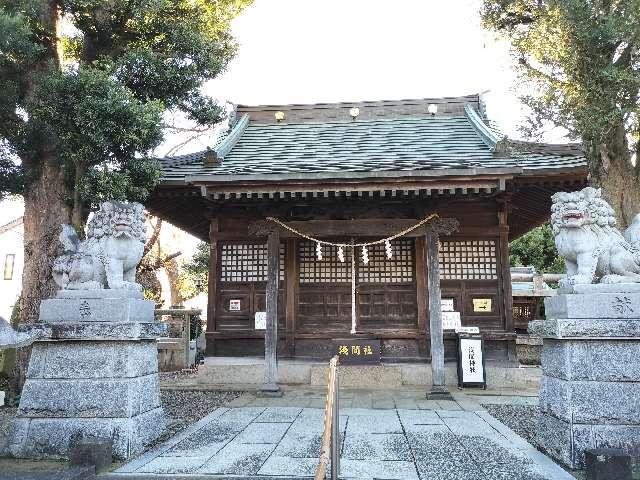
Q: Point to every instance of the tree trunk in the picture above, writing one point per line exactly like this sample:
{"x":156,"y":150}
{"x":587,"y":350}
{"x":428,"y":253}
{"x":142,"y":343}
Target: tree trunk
{"x":620,"y":181}
{"x":45,"y":210}
{"x":173,"y":274}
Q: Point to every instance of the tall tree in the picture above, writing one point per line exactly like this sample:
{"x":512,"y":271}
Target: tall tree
{"x":84,"y":88}
{"x":582,"y":60}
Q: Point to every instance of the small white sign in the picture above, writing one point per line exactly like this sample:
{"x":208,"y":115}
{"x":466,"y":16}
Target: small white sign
{"x":467,"y":330}
{"x":260,"y":321}
{"x":446,"y":304}
{"x":450,"y":320}
{"x":471,"y":360}
{"x":234,"y":305}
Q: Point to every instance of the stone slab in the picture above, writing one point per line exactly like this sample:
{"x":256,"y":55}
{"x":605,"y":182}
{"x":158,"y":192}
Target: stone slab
{"x":263,"y":433}
{"x":616,"y":403}
{"x":359,"y":376}
{"x":101,"y":331}
{"x":601,"y":288}
{"x":110,"y":359}
{"x":84,"y":310}
{"x":52,"y":437}
{"x":594,"y":306}
{"x":118,"y":293}
{"x":389,"y":446}
{"x":238,"y":459}
{"x":586,"y":328}
{"x":389,"y":470}
{"x":598,"y":360}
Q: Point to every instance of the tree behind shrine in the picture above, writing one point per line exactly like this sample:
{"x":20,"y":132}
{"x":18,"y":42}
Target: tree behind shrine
{"x":84,"y":88}
{"x":581,"y":60}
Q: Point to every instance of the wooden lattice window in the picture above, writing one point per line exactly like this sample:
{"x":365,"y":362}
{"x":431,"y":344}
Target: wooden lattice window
{"x":468,"y":260}
{"x":246,"y":262}
{"x":328,"y":270}
{"x":380,"y":269}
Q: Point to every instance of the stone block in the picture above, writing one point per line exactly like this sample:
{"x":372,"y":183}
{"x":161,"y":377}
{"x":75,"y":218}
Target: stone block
{"x":111,"y":359}
{"x":529,"y":349}
{"x":89,"y":398}
{"x":53,"y":437}
{"x":360,"y":375}
{"x":150,"y":330}
{"x":586,"y":328}
{"x":593,"y":306}
{"x":92,"y":451}
{"x":598,"y":360}
{"x":85,"y":310}
{"x":117,"y":293}
{"x":616,"y":403}
{"x":607,"y":464}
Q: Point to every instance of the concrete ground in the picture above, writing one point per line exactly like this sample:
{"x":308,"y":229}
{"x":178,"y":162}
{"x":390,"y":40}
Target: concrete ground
{"x":395,"y":434}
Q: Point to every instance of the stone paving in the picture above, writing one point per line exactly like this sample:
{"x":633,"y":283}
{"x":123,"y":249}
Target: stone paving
{"x":405,"y":437}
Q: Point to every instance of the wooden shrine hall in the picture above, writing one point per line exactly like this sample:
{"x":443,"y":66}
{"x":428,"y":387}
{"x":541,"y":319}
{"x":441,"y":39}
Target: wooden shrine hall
{"x":351,"y":173}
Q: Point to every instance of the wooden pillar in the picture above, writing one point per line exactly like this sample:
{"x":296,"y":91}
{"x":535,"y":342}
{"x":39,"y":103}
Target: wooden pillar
{"x":270,"y":387}
{"x":421,"y":294}
{"x":291,"y":279}
{"x":438,"y":388}
{"x":504,"y":266}
{"x":212,"y":287}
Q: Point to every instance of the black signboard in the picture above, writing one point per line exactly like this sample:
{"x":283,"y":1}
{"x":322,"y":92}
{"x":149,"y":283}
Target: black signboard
{"x":471,"y":371}
{"x":356,"y":351}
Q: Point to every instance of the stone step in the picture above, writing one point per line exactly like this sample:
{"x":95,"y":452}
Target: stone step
{"x":244,"y":371}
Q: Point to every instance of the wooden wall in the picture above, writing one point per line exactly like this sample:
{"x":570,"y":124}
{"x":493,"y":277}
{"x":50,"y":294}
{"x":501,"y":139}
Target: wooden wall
{"x":310,"y":316}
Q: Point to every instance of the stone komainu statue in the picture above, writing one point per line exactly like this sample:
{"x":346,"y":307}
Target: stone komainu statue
{"x":110,"y":254}
{"x":594,"y":250}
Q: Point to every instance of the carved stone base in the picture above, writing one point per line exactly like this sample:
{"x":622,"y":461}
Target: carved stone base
{"x":91,"y":378}
{"x":590,"y":388}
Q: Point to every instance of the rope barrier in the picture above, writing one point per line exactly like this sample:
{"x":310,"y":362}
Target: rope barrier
{"x":354,"y":245}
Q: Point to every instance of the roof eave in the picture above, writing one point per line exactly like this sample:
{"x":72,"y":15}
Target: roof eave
{"x":476,"y":171}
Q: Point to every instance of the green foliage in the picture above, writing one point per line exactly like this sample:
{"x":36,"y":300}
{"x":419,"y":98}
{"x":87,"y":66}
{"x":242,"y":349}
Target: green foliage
{"x":537,"y":249}
{"x":198,"y":268}
{"x":581,"y":57}
{"x":99,"y":107}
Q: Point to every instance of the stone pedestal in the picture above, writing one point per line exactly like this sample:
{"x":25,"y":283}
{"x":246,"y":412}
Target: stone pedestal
{"x":590,"y":388}
{"x":92,"y":373}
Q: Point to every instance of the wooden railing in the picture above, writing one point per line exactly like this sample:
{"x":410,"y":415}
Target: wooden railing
{"x":330,"y":449}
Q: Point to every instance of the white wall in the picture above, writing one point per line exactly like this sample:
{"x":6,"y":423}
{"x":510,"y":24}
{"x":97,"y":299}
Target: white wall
{"x":11,"y":243}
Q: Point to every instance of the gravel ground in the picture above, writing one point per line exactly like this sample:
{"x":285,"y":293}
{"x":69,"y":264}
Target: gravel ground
{"x":519,"y":418}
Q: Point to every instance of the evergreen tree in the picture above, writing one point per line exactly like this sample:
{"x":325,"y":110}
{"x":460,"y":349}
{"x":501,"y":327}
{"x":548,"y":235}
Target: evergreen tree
{"x":84,"y":88}
{"x":582,"y":61}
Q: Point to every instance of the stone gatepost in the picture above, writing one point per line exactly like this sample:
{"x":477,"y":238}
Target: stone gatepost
{"x":93,"y":372}
{"x":590,"y":387}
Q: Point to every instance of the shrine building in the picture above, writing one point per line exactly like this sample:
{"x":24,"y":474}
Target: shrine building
{"x":352,"y":173}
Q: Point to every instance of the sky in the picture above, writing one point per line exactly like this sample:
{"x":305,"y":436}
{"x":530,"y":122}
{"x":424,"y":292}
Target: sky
{"x":310,"y":51}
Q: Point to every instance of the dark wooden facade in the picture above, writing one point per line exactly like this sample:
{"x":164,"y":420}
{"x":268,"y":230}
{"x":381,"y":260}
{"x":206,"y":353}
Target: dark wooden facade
{"x":314,"y":296}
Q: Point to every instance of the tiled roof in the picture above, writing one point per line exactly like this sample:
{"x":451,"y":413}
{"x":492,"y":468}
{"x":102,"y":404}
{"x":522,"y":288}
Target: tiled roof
{"x":399,"y":145}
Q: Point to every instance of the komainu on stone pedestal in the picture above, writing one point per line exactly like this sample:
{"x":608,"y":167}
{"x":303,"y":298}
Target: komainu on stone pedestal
{"x":590,"y":386}
{"x":93,"y":370}
{"x":586,"y":237}
{"x":109,"y":256}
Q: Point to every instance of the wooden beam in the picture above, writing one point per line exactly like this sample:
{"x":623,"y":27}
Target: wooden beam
{"x":270,"y":387}
{"x":339,"y":228}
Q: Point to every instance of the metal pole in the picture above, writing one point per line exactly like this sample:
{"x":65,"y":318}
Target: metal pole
{"x":335,"y":431}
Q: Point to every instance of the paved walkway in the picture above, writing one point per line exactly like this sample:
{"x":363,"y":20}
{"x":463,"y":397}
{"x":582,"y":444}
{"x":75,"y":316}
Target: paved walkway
{"x":271,"y":437}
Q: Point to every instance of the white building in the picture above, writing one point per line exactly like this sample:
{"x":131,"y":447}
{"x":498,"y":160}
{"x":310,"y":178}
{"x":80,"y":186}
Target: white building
{"x":11,"y":254}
